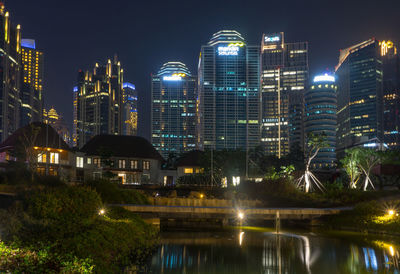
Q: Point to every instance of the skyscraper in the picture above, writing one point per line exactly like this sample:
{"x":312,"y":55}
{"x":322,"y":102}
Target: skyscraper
{"x":229,"y":93}
{"x":10,"y":69}
{"x":31,"y":82}
{"x":52,"y":118}
{"x":173,"y":109}
{"x":130,"y":115}
{"x":391,"y":94}
{"x":284,"y":80}
{"x":99,"y":101}
{"x":359,"y":94}
{"x":320,"y":117}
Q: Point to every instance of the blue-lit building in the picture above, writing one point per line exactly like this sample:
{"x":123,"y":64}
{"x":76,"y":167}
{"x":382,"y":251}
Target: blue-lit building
{"x":130,"y":112}
{"x":320,"y":117}
{"x":229,"y":93}
{"x":360,"y":97}
{"x":173,"y":109}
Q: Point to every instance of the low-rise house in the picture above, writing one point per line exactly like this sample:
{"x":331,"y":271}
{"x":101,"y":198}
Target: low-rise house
{"x":42,"y":149}
{"x":190,"y":163}
{"x":131,"y":159}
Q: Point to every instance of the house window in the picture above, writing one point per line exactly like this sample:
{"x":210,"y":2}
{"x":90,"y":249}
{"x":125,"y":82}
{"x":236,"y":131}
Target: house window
{"x":146,"y":165}
{"x":79,"y":162}
{"x":54,"y":158}
{"x":121,"y":163}
{"x":89,"y":161}
{"x":188,"y":170}
{"x":134,"y":164}
{"x":96,"y":161}
{"x":42,"y":157}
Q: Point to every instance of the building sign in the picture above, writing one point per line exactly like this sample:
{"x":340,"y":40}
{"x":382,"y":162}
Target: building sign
{"x":272,"y":39}
{"x":231,"y":50}
{"x":324,"y":78}
{"x":174,"y":77}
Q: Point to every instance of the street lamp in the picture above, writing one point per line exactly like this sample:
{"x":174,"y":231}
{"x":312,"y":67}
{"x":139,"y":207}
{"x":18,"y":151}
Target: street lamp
{"x":102,"y":212}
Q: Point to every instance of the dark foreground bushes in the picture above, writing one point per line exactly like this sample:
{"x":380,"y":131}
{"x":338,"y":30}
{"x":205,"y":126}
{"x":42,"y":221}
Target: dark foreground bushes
{"x":57,"y":229}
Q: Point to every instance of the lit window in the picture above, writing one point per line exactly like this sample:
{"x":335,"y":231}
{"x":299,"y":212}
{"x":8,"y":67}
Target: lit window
{"x":89,"y":161}
{"x":42,"y":157}
{"x":54,"y":157}
{"x":188,"y":170}
{"x":96,"y":161}
{"x":134,"y":164}
{"x":79,"y":162}
{"x":121,"y":163}
{"x":146,"y":165}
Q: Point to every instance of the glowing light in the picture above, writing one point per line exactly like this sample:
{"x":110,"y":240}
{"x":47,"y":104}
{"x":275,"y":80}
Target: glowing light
{"x":391,"y":212}
{"x":391,"y":250}
{"x":240,"y":215}
{"x":201,"y":196}
{"x":231,"y":50}
{"x":324,"y":78}
{"x":271,"y":39}
{"x":172,"y":78}
{"x":102,"y":212}
{"x":241,"y":237}
{"x":28,"y":43}
{"x":129,"y":85}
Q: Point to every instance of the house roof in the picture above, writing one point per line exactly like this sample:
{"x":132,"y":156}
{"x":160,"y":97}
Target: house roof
{"x":191,"y":158}
{"x":121,"y":146}
{"x":46,"y":137}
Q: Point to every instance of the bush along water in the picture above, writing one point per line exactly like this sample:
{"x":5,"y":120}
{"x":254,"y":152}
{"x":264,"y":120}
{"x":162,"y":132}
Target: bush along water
{"x":67,"y":229}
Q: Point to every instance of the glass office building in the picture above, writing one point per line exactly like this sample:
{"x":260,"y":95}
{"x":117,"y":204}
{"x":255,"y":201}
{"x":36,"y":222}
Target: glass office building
{"x":229,"y":93}
{"x":391,"y":94}
{"x":360,"y":103}
{"x":284,"y":79}
{"x":320,"y":117}
{"x":173,"y":109}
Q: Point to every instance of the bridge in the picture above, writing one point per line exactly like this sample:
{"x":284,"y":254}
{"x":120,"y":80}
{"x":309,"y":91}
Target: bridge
{"x":203,"y":212}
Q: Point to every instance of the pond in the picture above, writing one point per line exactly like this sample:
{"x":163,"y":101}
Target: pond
{"x":255,"y":250}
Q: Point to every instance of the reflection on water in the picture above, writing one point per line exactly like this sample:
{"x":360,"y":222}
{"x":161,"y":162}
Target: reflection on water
{"x":262,"y":252}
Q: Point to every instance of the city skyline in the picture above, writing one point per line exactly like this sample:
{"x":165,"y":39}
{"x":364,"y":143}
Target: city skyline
{"x":142,"y":52}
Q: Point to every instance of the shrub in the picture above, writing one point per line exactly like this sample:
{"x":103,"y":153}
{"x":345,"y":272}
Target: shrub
{"x":112,"y":194}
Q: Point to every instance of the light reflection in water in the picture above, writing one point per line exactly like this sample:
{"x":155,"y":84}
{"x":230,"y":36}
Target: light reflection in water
{"x":256,"y":252}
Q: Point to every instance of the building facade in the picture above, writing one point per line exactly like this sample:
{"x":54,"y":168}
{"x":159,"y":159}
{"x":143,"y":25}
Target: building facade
{"x":52,"y":118}
{"x":130,"y":115}
{"x":173,"y":105}
{"x":98,"y":102}
{"x":229,"y":93}
{"x":284,"y":78}
{"x":31,"y":82}
{"x":360,"y":99}
{"x":391,"y":94}
{"x":10,"y":73}
{"x":320,"y":118}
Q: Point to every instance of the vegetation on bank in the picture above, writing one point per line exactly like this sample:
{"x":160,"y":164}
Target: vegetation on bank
{"x":59,"y":228}
{"x":370,"y":217}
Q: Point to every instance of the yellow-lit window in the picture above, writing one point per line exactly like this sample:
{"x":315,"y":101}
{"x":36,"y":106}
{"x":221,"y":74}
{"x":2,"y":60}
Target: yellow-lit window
{"x":54,"y":157}
{"x":188,"y":170}
{"x":134,"y":164}
{"x":42,"y":157}
{"x":146,"y":165}
{"x":121,"y":163}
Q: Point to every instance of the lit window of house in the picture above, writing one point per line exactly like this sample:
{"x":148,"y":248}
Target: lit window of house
{"x":121,"y":163}
{"x":188,"y":170}
{"x":134,"y":164}
{"x":96,"y":161}
{"x":42,"y":157}
{"x":54,"y":158}
{"x":146,"y":165}
{"x":79,"y":162}
{"x":89,"y":161}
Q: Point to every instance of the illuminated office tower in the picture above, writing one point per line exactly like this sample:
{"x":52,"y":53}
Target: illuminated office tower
{"x":99,"y":102}
{"x":31,"y":82}
{"x":130,"y":115}
{"x":229,"y":93}
{"x":320,"y":118}
{"x":52,"y":118}
{"x":10,"y":69}
{"x":284,"y":79}
{"x":173,"y":109}
{"x":391,"y":94}
{"x":359,"y":94}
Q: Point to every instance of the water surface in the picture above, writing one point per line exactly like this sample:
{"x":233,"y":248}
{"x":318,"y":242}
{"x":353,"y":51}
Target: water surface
{"x":249,"y":251}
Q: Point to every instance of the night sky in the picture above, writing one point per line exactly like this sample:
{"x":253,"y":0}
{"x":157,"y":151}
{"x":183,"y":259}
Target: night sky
{"x":145,"y":34}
